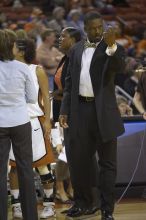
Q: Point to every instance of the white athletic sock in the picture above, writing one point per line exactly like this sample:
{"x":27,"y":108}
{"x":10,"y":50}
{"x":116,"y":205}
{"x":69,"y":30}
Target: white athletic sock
{"x":15,"y":193}
{"x":43,"y":170}
{"x":48,"y":192}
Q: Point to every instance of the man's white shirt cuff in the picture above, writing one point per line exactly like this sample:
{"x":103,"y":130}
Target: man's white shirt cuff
{"x":111,"y":50}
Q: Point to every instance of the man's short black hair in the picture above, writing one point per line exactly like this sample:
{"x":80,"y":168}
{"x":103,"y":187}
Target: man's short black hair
{"x":91,"y":16}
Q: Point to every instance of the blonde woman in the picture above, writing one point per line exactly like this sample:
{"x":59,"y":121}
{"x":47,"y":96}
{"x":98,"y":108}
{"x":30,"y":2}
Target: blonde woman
{"x":16,"y":89}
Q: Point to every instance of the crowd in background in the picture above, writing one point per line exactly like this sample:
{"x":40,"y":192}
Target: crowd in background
{"x":57,"y":14}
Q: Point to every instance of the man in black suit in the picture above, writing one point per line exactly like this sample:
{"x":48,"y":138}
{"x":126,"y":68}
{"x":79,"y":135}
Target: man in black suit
{"x":90,"y":111}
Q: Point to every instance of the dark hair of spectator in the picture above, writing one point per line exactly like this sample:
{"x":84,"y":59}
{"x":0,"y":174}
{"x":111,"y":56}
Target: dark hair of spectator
{"x":7,"y":39}
{"x":46,"y":33}
{"x":27,"y":46}
{"x":91,"y":16}
{"x":74,"y":33}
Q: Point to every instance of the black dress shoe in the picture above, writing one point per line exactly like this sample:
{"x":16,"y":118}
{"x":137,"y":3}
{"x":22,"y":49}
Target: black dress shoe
{"x":75,"y":211}
{"x":106,"y":216}
{"x":91,"y":210}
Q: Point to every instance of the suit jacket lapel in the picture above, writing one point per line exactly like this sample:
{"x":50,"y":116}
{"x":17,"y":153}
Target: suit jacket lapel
{"x":80,"y":51}
{"x":98,"y":52}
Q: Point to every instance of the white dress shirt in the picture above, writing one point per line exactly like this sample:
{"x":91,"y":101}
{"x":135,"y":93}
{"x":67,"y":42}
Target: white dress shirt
{"x":16,"y":89}
{"x":85,"y":87}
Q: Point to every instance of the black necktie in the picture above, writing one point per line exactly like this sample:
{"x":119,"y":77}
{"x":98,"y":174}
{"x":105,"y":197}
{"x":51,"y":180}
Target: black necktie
{"x":88,"y":44}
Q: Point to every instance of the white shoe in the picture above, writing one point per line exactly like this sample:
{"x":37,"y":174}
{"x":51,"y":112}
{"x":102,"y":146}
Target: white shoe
{"x":48,"y":211}
{"x":17,"y":212}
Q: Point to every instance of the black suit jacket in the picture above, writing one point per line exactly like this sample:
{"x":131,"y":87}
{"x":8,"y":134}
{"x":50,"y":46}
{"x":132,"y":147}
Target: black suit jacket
{"x":102,"y":71}
{"x":65,"y":60}
{"x":57,"y":103}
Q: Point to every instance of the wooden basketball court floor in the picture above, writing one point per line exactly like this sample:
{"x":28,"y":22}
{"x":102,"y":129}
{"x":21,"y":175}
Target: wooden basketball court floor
{"x":127,"y":209}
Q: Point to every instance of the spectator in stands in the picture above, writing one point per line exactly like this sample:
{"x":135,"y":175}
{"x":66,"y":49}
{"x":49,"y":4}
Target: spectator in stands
{"x":100,"y":4}
{"x":3,"y":19}
{"x":126,"y":42}
{"x":124,"y":108}
{"x":13,"y":27}
{"x":121,"y":78}
{"x":35,"y":31}
{"x":57,"y":23}
{"x":140,"y":95}
{"x":130,"y":84}
{"x":36,"y":24}
{"x":17,"y":4}
{"x":48,"y":55}
{"x":108,"y":8}
{"x":121,"y":38}
{"x":74,"y":20}
{"x":141,"y":47}
{"x":35,"y":14}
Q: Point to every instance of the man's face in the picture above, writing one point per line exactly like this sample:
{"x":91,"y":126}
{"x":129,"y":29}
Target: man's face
{"x":94,"y":30}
